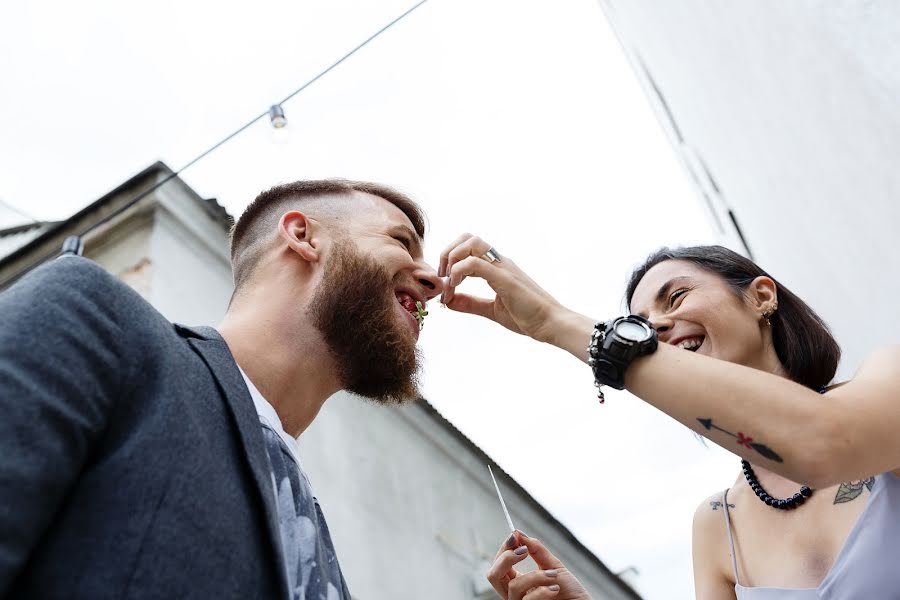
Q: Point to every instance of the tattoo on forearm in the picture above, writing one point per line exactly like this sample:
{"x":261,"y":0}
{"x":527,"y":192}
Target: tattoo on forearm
{"x":716,"y":505}
{"x":852,"y":489}
{"x":743,"y":440}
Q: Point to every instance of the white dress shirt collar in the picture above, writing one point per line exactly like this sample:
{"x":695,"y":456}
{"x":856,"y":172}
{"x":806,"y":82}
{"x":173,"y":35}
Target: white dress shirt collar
{"x":268,"y":416}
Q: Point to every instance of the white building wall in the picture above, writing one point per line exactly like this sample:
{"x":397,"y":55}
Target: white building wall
{"x":191,"y":276}
{"x":792,"y":107}
{"x":412,"y":509}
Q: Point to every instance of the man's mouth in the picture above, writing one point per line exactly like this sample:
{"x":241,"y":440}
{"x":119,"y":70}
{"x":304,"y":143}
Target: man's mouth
{"x":691,"y":344}
{"x":407,"y":302}
{"x":414,"y":307}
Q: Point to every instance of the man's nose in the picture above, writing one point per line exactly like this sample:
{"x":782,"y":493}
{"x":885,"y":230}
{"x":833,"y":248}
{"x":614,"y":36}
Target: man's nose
{"x":428,"y":280}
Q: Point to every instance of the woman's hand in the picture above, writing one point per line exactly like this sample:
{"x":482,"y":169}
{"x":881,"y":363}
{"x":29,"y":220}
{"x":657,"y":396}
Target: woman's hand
{"x":521,"y":305}
{"x":551,"y":580}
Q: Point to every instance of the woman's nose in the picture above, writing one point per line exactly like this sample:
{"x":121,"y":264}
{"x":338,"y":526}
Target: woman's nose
{"x":662,"y":325}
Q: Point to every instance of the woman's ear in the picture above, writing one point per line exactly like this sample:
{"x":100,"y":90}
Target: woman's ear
{"x":763,"y":293}
{"x":296,"y":230}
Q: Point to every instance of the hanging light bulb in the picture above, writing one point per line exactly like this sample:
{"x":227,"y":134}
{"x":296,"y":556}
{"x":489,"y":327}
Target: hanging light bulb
{"x":280,"y":132}
{"x":276,"y":116}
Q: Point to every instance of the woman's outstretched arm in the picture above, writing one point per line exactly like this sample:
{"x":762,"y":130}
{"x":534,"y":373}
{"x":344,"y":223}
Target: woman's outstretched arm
{"x":849,"y":433}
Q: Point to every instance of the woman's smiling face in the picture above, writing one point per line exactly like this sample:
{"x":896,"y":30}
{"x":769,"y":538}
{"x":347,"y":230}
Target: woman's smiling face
{"x":699,"y":311}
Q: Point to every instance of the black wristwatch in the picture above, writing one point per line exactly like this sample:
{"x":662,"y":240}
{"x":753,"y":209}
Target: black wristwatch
{"x":615,"y":344}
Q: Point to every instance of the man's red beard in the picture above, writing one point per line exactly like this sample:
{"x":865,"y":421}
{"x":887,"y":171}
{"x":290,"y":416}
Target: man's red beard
{"x":353,"y":308}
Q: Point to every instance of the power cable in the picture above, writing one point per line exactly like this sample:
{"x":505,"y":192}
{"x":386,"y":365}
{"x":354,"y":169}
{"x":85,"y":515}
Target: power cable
{"x":74,"y":245}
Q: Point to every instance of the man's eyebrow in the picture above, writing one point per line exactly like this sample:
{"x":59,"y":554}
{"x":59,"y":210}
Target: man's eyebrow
{"x":663,"y":292}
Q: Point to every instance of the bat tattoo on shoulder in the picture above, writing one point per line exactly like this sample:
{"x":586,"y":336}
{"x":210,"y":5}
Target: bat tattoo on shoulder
{"x":743,"y":440}
{"x":852,"y":489}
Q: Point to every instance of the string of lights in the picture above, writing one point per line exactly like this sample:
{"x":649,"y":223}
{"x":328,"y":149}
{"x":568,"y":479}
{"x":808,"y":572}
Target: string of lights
{"x":74,"y":244}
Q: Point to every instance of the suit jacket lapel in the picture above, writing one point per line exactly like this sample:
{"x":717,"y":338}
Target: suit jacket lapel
{"x":211,"y":347}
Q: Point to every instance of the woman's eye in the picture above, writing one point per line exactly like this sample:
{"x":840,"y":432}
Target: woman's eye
{"x":676,"y":295}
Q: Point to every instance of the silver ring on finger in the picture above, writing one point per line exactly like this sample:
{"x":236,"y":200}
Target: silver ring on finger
{"x":492,"y":255}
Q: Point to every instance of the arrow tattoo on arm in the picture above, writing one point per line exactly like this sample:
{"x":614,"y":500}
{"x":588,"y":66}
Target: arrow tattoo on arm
{"x":743,"y":440}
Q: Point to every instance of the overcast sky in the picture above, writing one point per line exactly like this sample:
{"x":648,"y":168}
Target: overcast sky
{"x":520,"y":121}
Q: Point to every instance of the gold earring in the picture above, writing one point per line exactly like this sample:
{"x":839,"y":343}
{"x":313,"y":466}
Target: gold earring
{"x":769,"y":312}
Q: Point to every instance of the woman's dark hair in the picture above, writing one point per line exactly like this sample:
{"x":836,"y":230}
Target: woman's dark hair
{"x":802,"y":341}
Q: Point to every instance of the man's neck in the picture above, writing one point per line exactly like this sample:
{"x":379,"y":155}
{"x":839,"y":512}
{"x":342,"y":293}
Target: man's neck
{"x":286,"y":362}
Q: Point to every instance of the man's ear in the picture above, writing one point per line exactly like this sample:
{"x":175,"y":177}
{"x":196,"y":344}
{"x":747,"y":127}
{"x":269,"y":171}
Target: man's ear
{"x":296,"y":230}
{"x":763,"y":292}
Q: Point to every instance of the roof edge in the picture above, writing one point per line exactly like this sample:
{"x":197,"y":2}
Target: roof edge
{"x":25,"y":227}
{"x":158,"y":167}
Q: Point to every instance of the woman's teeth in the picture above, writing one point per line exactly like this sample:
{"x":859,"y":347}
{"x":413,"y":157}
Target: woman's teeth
{"x":691,"y":344}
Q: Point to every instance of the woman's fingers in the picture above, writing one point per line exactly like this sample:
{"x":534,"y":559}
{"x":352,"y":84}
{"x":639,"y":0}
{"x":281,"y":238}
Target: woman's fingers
{"x":502,"y":573}
{"x":540,"y":554}
{"x":464,"y":246}
{"x":445,"y":253}
{"x":524,"y":586}
{"x":458,"y":273}
{"x":520,"y":305}
{"x":510,"y":543}
{"x":472,"y":246}
{"x":471,"y":304}
{"x":473,"y":265}
{"x":543,"y":593}
{"x":543,"y":584}
{"x":505,"y":562}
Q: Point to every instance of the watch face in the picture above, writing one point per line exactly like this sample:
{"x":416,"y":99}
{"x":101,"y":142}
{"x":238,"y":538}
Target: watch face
{"x":633,"y":332}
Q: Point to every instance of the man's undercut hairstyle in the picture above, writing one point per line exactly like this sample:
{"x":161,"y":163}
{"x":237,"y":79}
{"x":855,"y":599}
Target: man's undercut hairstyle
{"x":323,"y":199}
{"x":802,"y":340}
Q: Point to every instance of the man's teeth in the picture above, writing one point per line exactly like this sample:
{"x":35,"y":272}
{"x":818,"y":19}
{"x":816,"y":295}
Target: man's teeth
{"x":691,"y":344}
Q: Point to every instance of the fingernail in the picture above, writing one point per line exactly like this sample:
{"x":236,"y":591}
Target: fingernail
{"x":550,"y":572}
{"x":522,"y":533}
{"x":511,"y":541}
{"x":553,"y":588}
{"x":520,"y":550}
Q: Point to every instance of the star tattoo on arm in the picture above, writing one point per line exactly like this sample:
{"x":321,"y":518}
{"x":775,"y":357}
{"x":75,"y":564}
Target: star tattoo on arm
{"x":743,"y":440}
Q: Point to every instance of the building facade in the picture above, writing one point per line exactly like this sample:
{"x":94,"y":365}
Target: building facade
{"x":785,"y":117}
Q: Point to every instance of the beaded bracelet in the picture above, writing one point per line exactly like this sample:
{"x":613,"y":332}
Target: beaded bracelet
{"x":593,"y":349}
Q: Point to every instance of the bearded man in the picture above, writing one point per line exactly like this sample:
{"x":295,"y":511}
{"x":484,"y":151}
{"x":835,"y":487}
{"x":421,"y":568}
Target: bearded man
{"x":144,"y":459}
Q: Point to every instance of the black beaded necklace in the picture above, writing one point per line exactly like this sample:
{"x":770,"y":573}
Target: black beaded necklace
{"x":786,"y":504}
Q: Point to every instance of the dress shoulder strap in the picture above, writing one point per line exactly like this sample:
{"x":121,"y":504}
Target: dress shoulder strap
{"x":730,"y":536}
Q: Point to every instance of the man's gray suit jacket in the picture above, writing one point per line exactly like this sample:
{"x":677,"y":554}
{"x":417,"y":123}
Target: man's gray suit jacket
{"x":132,"y":464}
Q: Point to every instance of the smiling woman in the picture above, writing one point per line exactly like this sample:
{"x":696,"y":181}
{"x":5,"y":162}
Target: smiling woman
{"x":802,"y":341}
{"x":723,"y":347}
